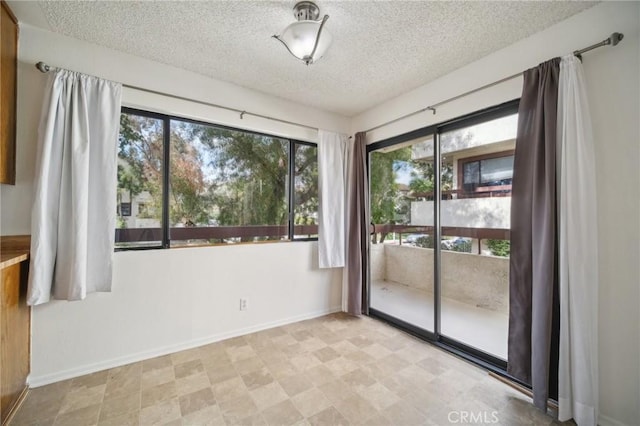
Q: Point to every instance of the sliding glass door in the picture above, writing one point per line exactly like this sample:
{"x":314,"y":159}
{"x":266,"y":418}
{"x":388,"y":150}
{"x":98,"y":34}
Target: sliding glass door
{"x":477,"y":167}
{"x":401,"y":245}
{"x":439,"y":248}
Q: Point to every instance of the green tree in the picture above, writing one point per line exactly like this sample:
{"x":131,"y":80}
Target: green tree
{"x":425,"y":241}
{"x":388,"y":202}
{"x":251,"y":174}
{"x":384,"y":189}
{"x":422,"y":179}
{"x":500,"y":248}
{"x":140,"y":159}
{"x":217,"y":175}
{"x":306,"y":184}
{"x":140,"y":168}
{"x":190,"y":202}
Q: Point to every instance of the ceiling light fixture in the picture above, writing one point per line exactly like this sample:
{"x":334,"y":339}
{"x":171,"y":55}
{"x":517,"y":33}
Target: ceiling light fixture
{"x":306,"y":39}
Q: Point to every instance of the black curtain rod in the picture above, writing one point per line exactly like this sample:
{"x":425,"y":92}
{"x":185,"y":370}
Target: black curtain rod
{"x":46,"y":68}
{"x":612,"y":40}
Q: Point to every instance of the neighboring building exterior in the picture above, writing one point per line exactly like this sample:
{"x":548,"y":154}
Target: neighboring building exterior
{"x":480,"y":158}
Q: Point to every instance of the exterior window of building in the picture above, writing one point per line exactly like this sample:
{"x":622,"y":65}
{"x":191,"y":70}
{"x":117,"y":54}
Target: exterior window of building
{"x":143,"y":210}
{"x":480,"y":174}
{"x":125,"y":209}
{"x":202,"y":184}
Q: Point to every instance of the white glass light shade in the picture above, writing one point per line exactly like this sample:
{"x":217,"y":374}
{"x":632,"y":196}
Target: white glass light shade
{"x":300,"y":38}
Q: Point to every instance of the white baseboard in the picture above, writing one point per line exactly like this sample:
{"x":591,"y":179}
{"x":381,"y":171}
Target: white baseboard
{"x":608,"y":421}
{"x":37,"y":381}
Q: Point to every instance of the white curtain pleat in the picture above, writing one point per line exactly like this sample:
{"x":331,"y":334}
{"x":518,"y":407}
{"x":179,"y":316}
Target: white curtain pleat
{"x":332,"y":169}
{"x":578,"y":250}
{"x":349,"y":176}
{"x":74,"y":208}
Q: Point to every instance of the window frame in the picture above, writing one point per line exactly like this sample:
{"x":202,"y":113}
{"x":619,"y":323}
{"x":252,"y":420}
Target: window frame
{"x":479,"y":159}
{"x":291,"y":196}
{"x":165,"y":223}
{"x":464,"y":350}
{"x":127,"y":209}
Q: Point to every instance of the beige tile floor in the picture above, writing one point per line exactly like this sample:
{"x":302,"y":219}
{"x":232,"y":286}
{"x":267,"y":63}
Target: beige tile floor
{"x":333,"y":370}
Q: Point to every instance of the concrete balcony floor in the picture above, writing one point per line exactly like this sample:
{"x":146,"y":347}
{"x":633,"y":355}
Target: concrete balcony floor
{"x":480,"y":328}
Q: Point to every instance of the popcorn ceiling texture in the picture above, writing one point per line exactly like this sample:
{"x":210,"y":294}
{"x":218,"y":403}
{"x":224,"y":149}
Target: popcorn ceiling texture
{"x":380,"y":49}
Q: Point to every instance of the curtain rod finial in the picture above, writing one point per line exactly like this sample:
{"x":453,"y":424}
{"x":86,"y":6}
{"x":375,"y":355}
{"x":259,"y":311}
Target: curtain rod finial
{"x":615,"y":38}
{"x":43,"y":67}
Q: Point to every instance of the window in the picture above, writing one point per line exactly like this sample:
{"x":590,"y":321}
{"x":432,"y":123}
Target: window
{"x":490,"y":170}
{"x":140,"y":170}
{"x":125,"y":209}
{"x":199,"y":184}
{"x":305,"y":191}
{"x":143,"y":210}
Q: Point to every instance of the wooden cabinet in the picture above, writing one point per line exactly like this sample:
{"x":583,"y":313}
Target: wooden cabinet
{"x":8,"y":87}
{"x":15,"y":327}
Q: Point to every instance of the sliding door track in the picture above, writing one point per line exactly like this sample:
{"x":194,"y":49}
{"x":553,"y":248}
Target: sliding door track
{"x":479,"y":358}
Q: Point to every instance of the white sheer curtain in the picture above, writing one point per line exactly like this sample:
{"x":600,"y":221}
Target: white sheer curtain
{"x":578,"y":255}
{"x":74,"y":209}
{"x":332,"y":169}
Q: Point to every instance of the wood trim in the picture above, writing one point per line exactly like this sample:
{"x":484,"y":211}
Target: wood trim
{"x":14,"y":249}
{"x":9,"y":89}
{"x":15,"y":242}
{"x":15,"y":331}
{"x":6,"y":7}
{"x":449,"y":231}
{"x":126,"y":235}
{"x":11,"y":258}
{"x":12,"y":412}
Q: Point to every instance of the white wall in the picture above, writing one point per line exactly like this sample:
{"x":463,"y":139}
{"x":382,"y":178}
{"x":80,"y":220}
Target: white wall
{"x":613,"y":76}
{"x":167,"y":300}
{"x":163,"y":300}
{"x":153,"y":282}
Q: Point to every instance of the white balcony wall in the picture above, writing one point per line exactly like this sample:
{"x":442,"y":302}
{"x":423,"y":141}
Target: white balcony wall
{"x":492,"y":213}
{"x":480,"y":281}
{"x":377,"y":262}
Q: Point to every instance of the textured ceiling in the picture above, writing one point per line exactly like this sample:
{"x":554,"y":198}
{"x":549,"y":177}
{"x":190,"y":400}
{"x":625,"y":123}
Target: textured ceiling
{"x":380,"y":49}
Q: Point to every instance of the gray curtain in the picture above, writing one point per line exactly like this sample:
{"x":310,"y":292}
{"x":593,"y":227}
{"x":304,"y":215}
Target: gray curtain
{"x":358,"y":229}
{"x":533,"y":284}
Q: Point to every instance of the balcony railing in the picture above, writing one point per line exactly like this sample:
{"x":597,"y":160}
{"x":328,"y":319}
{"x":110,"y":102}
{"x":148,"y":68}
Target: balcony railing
{"x":478,"y":192}
{"x":130,"y":235}
{"x":447,"y":231}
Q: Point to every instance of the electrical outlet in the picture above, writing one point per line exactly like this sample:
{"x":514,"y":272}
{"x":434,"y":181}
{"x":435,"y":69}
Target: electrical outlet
{"x":243,"y":304}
